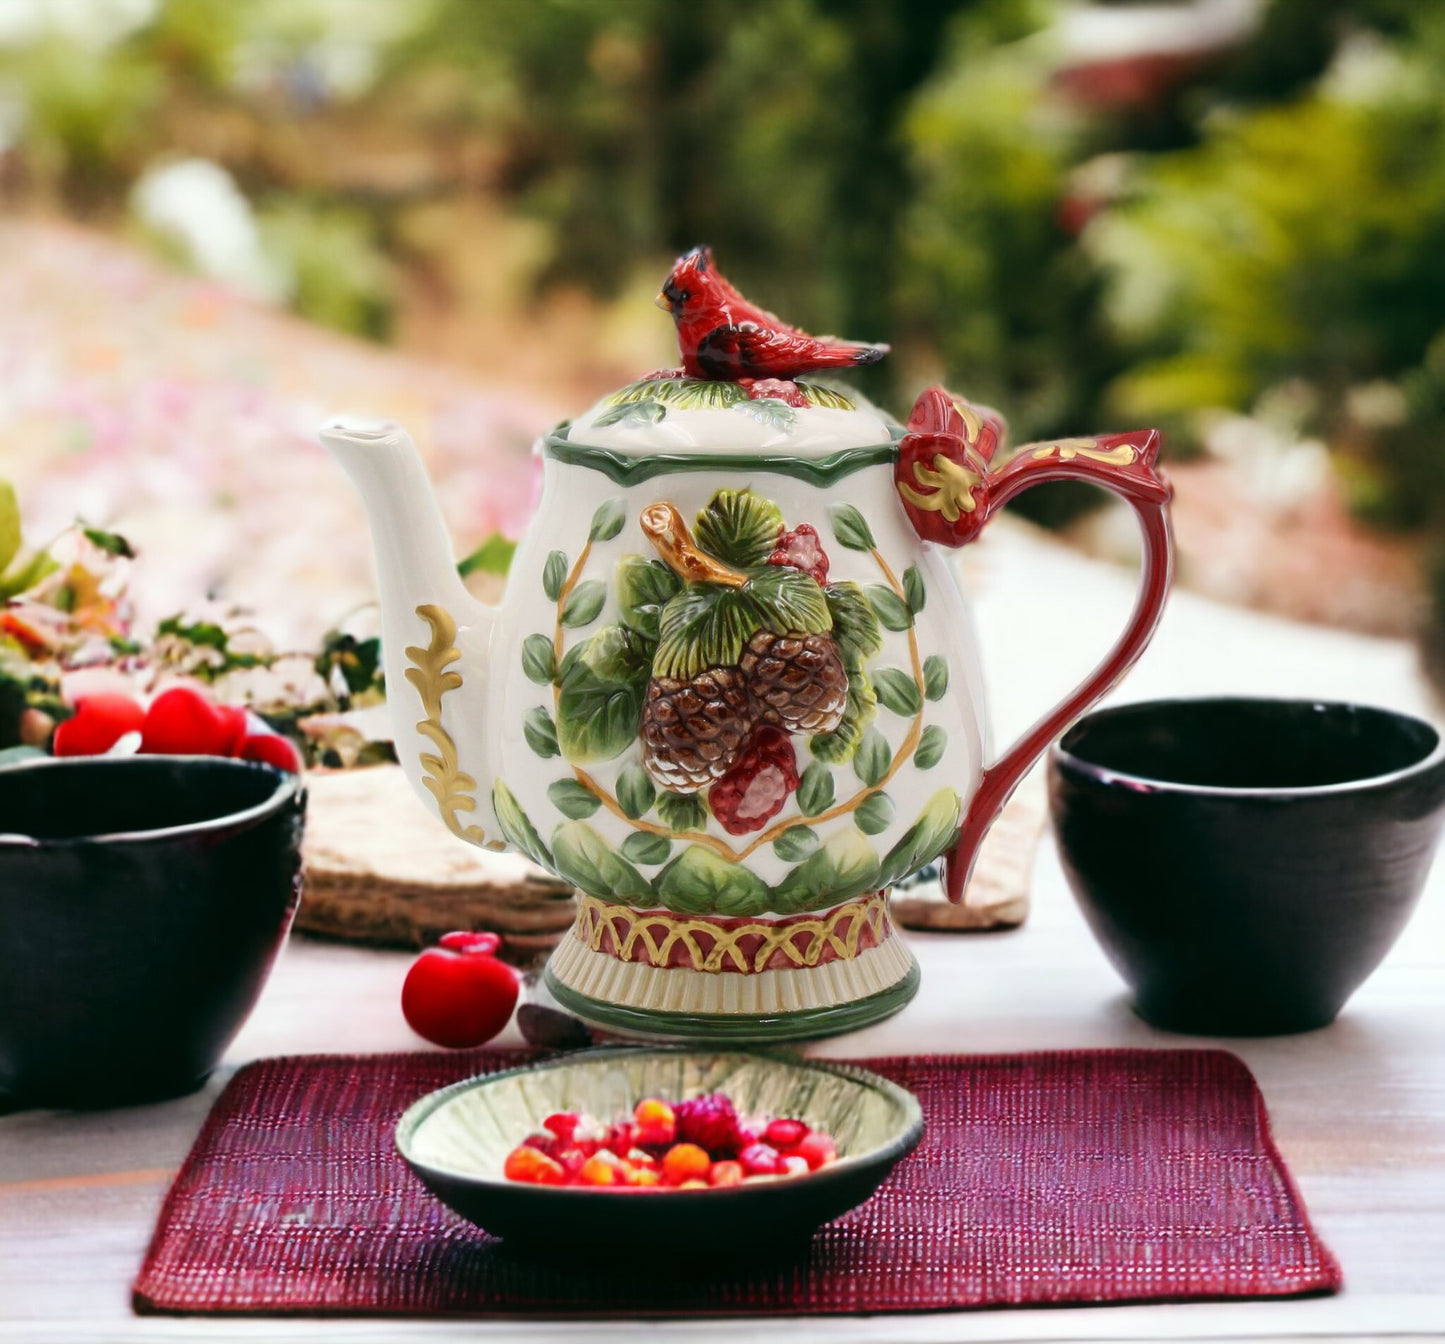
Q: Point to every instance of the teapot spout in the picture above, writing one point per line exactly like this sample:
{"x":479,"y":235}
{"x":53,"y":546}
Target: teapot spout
{"x":429,"y":622}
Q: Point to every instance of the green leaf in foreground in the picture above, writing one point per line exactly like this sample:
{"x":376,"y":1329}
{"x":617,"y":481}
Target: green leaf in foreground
{"x":873,"y":758}
{"x":913,"y":589}
{"x":554,"y":574}
{"x":635,"y":791}
{"x":926,"y":839}
{"x":930,"y":747}
{"x":739,"y":527}
{"x":846,"y":866}
{"x":540,"y":732}
{"x":850,"y":527}
{"x":815,"y":790}
{"x":646,"y":847}
{"x":700,"y":882}
{"x":935,"y":677}
{"x":600,"y":701}
{"x":892,"y":610}
{"x":682,"y":812}
{"x":584,"y":603}
{"x":539,"y":659}
{"x":573,"y":799}
{"x":517,"y":827}
{"x":586,"y":860}
{"x":896,"y":690}
{"x":874,"y":813}
{"x":796,"y":843}
{"x":607,"y":521}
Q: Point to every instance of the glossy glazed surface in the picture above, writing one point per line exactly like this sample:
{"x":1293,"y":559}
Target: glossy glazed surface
{"x":1246,"y":863}
{"x":143,"y":901}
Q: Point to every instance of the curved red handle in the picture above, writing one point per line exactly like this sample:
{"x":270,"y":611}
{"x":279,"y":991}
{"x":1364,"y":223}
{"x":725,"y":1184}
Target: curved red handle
{"x":950,"y":490}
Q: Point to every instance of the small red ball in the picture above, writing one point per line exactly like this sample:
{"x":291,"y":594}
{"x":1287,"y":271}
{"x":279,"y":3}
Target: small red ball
{"x":458,"y":999}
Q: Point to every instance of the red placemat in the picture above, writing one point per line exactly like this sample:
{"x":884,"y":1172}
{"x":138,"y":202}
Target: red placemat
{"x":1045,"y":1179}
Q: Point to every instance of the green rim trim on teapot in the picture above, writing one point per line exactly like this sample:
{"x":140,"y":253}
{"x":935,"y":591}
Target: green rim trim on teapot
{"x":626,"y":468}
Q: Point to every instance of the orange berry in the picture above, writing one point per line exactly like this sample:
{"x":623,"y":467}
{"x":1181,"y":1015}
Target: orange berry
{"x":532,"y":1165}
{"x":656,"y":1123}
{"x":693,"y":1184}
{"x":684,"y":1162}
{"x":726,"y":1173}
{"x":644,"y":1176}
{"x":597,"y":1170}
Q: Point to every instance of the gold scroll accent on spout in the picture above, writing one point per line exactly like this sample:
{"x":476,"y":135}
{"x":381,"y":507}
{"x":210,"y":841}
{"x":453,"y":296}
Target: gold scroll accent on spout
{"x":653,"y":937}
{"x":443,"y":776}
{"x":1120,"y":456}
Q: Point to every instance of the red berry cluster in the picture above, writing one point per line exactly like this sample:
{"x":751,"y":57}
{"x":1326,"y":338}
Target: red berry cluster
{"x":179,"y":722}
{"x":693,"y":1145}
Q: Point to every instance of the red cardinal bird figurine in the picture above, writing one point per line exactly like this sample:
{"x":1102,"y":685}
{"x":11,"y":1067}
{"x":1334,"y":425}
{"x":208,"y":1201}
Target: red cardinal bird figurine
{"x":724,"y":337}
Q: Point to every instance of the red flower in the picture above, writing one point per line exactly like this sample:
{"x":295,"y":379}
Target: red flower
{"x":800,"y":549}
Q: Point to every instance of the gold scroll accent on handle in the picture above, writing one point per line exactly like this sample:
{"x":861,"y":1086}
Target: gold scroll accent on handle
{"x":1121,"y":455}
{"x":443,"y":776}
{"x":660,"y":934}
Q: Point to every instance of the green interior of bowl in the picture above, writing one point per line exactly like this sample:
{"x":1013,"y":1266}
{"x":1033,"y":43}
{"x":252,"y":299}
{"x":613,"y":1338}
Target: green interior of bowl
{"x":470,"y":1128}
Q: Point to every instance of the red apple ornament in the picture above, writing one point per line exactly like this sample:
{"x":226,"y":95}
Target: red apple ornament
{"x":458,"y":994}
{"x":99,"y":722}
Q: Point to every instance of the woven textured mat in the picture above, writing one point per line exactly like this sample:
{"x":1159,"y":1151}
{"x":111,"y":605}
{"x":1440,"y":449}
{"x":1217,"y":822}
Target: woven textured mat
{"x":1092,"y":1176}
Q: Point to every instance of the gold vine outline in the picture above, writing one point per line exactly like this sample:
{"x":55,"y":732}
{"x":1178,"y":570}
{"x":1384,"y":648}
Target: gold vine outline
{"x":596,"y":917}
{"x":721,"y":847}
{"x":442,"y":774}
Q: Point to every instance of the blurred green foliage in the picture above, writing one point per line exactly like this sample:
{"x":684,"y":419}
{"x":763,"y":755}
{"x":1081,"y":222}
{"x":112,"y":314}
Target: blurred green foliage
{"x":941,"y":174}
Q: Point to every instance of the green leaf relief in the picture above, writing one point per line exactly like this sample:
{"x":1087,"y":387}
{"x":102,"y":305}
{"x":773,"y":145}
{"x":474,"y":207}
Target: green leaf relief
{"x":607,"y":521}
{"x":573,"y":799}
{"x":493,"y":556}
{"x":647,"y":412}
{"x":635,"y":791}
{"x":930,"y":747}
{"x":796,"y":843}
{"x":788,"y":600}
{"x":839,"y":746}
{"x":517,"y":827}
{"x":540,"y":732}
{"x":815,"y":789}
{"x":647,"y":848}
{"x":892,"y":610}
{"x":855,"y":627}
{"x":844,"y":867}
{"x":554,"y":574}
{"x":926,"y":839}
{"x":584,"y":603}
{"x":897,"y":691}
{"x":772,"y":411}
{"x":539,"y":659}
{"x":585,"y":859}
{"x":850,"y":527}
{"x":831,"y":398}
{"x":643,"y":588}
{"x":689,"y":393}
{"x":599,"y":705}
{"x":874,"y":813}
{"x":873,"y":757}
{"x":701,"y":882}
{"x":739,"y":527}
{"x":913,"y":589}
{"x":682,"y":812}
{"x":706,"y":625}
{"x":935,"y":677}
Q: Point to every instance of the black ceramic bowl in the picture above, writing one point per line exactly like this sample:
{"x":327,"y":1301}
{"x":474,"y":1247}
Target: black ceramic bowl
{"x":1246,"y":863}
{"x":143,"y":900}
{"x":457,"y":1139}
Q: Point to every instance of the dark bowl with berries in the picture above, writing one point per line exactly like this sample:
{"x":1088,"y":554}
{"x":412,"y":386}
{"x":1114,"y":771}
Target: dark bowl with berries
{"x":143,"y":901}
{"x":596,"y":1149}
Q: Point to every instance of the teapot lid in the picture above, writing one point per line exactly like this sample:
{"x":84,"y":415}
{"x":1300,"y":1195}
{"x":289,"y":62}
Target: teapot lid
{"x":674,"y":412}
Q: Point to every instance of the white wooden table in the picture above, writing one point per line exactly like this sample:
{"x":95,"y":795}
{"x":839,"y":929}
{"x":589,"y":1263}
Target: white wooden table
{"x":1358,"y":1109}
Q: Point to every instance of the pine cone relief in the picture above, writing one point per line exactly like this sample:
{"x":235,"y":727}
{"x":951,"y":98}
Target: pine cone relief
{"x":693,"y":730}
{"x":798,"y":681}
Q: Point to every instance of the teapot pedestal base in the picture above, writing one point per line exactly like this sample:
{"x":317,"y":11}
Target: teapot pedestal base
{"x":711,"y":1003}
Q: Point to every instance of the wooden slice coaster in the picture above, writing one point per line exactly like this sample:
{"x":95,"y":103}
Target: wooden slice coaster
{"x":380,"y":870}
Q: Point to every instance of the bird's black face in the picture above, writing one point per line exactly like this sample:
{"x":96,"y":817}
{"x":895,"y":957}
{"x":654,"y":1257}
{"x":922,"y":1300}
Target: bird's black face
{"x":675,"y":295}
{"x":683,"y":285}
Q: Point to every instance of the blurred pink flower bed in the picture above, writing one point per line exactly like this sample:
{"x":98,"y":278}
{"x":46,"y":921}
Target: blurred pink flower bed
{"x":183,"y":415}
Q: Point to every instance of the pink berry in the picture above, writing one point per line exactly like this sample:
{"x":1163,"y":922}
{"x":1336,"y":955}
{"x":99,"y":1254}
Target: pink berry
{"x":795,"y":1166}
{"x":819,"y":1149}
{"x":760,"y":1159}
{"x":710,"y":1122}
{"x":563,"y":1124}
{"x":784,"y":1133}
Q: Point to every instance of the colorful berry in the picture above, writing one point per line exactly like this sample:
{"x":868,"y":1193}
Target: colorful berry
{"x":795,"y":1166}
{"x":758,"y":784}
{"x":597,"y":1170}
{"x":685,"y":1162}
{"x":818,"y":1149}
{"x":530,"y":1165}
{"x":656,"y":1122}
{"x":726,"y":1172}
{"x":800,"y":549}
{"x":784,"y":1133}
{"x":760,"y":1159}
{"x":708,"y":1121}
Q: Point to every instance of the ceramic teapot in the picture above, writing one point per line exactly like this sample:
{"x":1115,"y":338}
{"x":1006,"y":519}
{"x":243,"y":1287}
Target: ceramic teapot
{"x":733,"y":691}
